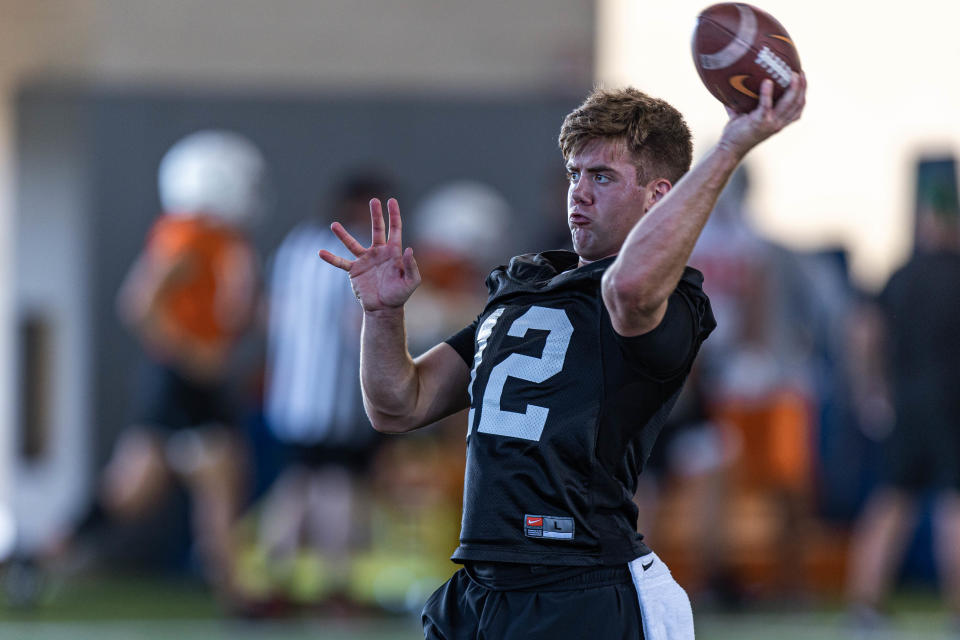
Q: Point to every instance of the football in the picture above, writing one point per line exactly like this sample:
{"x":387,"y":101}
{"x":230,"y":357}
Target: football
{"x":736,"y":46}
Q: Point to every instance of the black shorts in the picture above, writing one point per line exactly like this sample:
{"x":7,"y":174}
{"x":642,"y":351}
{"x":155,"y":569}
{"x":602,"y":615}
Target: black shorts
{"x":355,"y":459}
{"x":166,"y":399}
{"x":592,"y":603}
{"x":922,"y":453}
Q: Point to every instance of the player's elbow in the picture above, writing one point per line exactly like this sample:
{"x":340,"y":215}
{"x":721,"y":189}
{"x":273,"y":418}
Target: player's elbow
{"x":386,"y":423}
{"x":633,"y":304}
{"x":631,"y":293}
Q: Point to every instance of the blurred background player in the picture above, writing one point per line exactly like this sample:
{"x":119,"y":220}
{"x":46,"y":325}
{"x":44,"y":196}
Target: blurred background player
{"x":314,"y":517}
{"x":910,"y":353}
{"x":189,"y":297}
{"x":460,"y":228}
{"x":755,"y":374}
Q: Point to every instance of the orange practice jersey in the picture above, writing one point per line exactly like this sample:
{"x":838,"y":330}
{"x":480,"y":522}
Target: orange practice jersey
{"x":190,"y":304}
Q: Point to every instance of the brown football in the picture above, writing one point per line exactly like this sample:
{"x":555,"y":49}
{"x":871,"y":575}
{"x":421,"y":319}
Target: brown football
{"x":736,"y":46}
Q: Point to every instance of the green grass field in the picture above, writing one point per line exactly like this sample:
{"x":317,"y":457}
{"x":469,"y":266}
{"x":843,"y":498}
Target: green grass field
{"x":126,"y":608}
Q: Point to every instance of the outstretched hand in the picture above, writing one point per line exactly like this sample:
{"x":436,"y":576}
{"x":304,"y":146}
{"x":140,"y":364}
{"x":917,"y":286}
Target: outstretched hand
{"x":746,"y":130}
{"x":383,"y":275}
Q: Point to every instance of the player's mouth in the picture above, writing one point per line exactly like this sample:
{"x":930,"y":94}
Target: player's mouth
{"x":577,"y":218}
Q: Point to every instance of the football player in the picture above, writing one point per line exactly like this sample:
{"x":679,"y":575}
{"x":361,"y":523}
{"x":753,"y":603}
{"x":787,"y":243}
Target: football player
{"x":189,"y":297}
{"x":569,"y":372}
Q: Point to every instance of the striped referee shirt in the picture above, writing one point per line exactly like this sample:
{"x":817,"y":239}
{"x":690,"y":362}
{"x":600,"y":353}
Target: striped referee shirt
{"x":313,"y":387}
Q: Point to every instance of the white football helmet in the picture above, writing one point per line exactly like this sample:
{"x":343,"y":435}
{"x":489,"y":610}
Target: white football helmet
{"x":468,"y":217}
{"x":214,"y":172}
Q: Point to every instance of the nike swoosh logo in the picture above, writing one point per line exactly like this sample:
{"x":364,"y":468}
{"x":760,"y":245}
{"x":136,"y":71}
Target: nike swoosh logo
{"x":737,"y":83}
{"x":785,"y":39}
{"x":647,"y":566}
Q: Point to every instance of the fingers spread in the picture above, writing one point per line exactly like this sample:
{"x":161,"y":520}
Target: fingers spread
{"x":396,"y":225}
{"x":337,"y":261}
{"x":348,"y":240}
{"x":379,"y":232}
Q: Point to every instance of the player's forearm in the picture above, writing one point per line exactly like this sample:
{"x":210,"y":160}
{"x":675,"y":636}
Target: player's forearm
{"x":388,"y":376}
{"x":657,"y":249}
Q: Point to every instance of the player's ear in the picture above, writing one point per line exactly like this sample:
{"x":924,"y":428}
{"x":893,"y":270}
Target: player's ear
{"x":656,"y":190}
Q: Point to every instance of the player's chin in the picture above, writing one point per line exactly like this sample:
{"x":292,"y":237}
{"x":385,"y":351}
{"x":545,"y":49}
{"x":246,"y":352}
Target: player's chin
{"x":583,"y":239}
{"x":589,"y":251}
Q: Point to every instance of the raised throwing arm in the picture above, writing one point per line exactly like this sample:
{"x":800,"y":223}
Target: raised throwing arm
{"x":639,"y":282}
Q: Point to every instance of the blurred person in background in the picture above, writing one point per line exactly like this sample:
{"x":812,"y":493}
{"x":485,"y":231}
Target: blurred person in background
{"x":314,"y":517}
{"x":459,"y":227}
{"x":189,"y":297}
{"x":555,"y":444}
{"x":910,"y":361}
{"x":757,"y":382}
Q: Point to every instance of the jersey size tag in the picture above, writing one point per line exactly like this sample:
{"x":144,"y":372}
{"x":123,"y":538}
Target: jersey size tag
{"x":548,"y":527}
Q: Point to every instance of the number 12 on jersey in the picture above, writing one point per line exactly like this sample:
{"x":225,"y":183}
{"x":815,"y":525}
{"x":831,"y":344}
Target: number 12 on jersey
{"x":528,"y":425}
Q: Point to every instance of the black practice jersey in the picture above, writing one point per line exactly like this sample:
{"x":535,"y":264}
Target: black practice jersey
{"x":564,"y":412}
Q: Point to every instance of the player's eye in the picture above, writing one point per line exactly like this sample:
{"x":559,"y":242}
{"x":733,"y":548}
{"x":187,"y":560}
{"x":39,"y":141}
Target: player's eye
{"x":601,"y":179}
{"x":573,"y":176}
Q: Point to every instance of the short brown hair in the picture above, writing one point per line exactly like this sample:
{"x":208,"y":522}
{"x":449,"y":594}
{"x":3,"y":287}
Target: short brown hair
{"x":654,"y":132}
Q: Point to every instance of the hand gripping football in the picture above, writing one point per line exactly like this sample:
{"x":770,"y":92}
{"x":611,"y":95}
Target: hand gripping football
{"x":736,"y":46}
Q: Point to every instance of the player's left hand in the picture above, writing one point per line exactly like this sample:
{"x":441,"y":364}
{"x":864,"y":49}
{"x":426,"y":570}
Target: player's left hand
{"x":746,"y":130}
{"x":383,"y":275}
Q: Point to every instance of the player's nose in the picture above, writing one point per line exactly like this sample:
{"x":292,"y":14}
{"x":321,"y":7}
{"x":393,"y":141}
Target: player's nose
{"x":579,"y":191}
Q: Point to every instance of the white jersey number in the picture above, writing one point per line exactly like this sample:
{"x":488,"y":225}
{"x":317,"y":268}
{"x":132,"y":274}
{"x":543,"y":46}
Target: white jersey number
{"x":528,"y":425}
